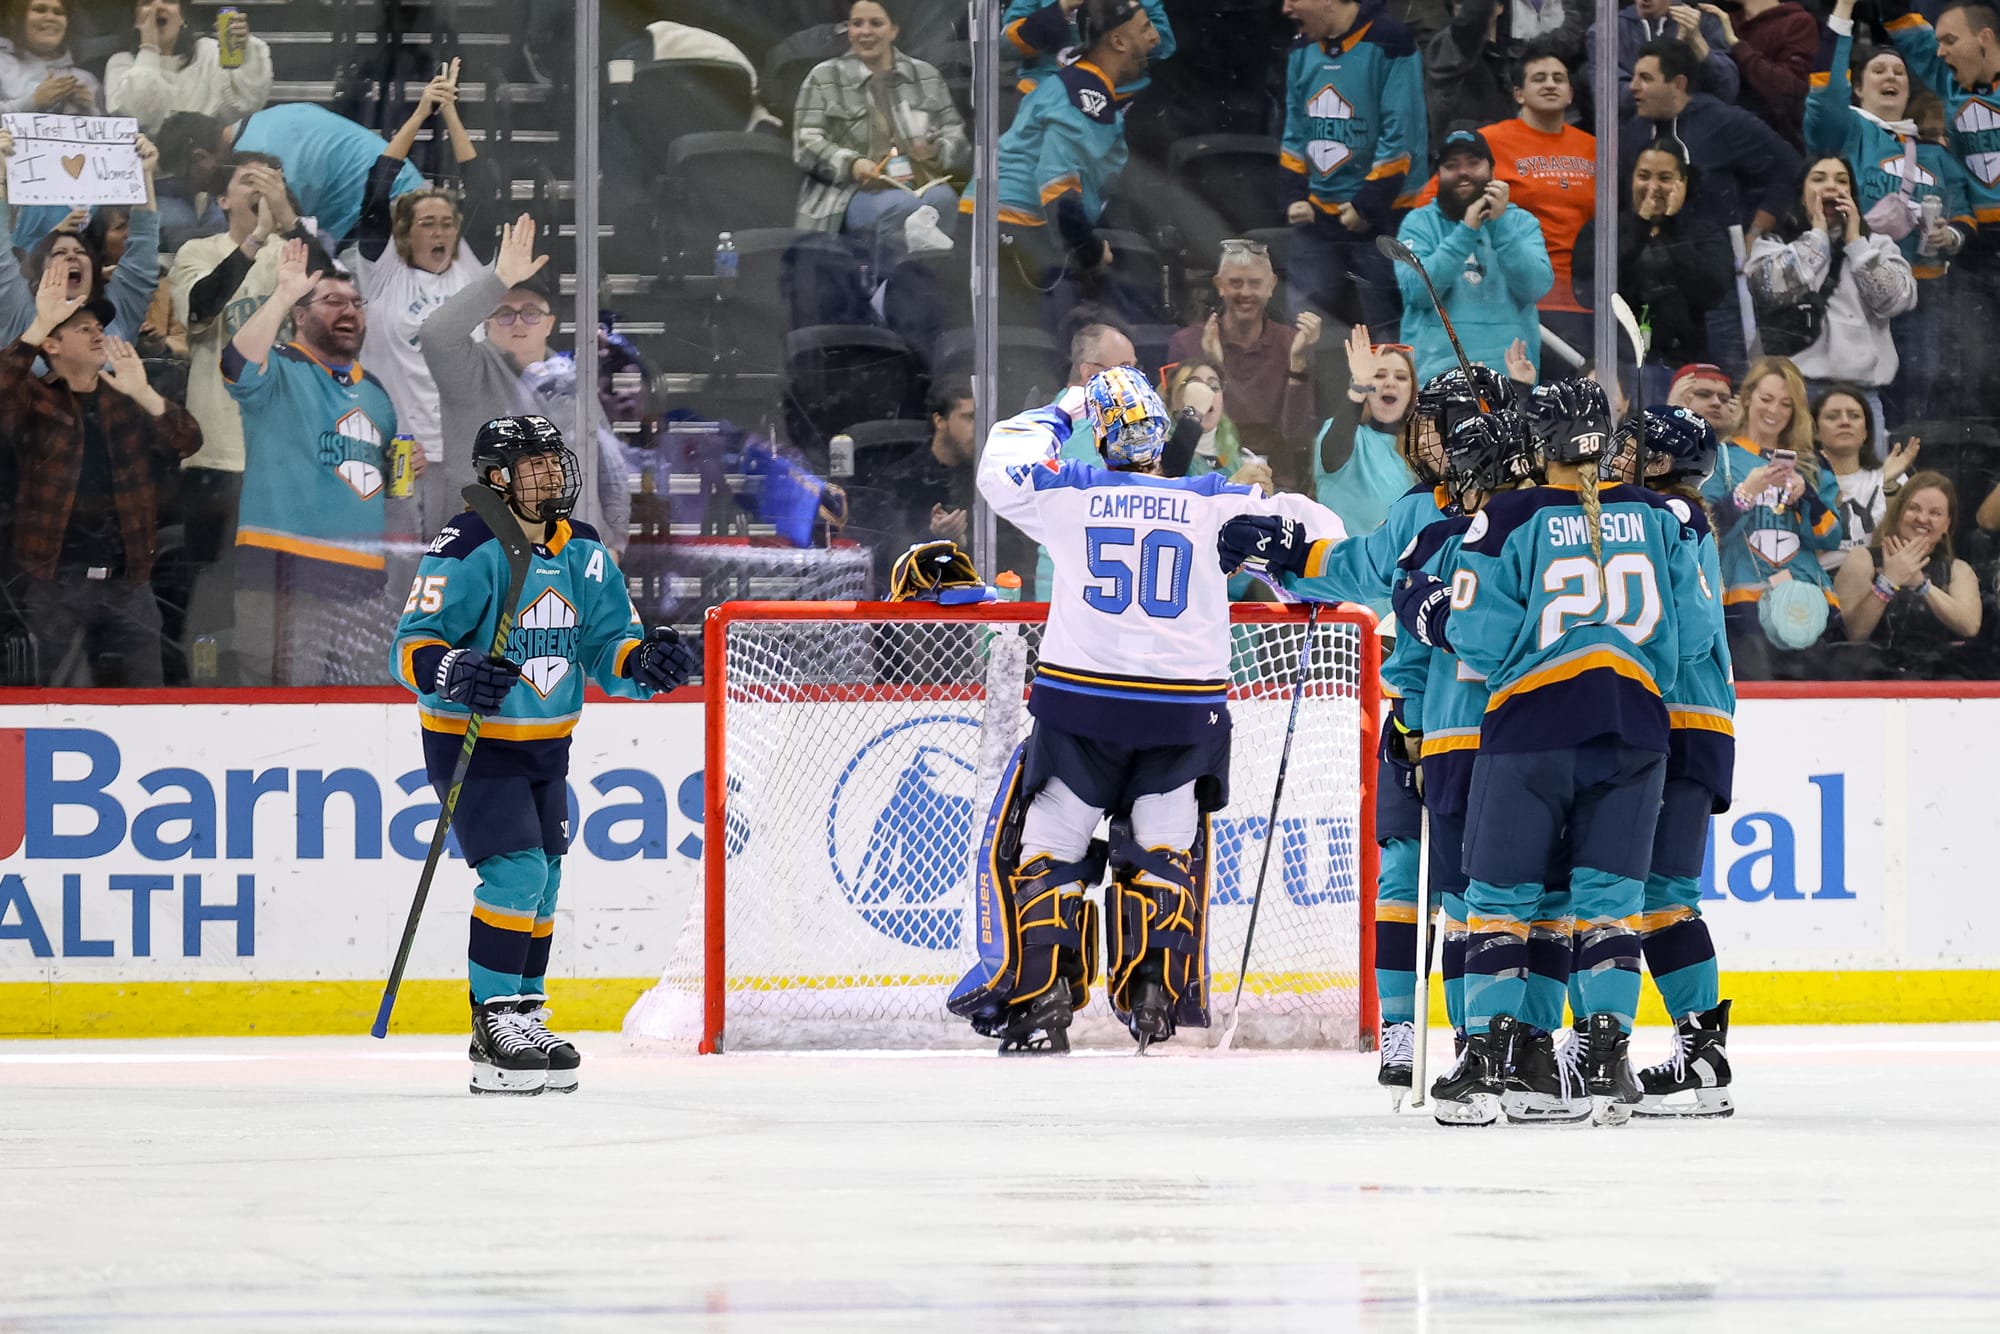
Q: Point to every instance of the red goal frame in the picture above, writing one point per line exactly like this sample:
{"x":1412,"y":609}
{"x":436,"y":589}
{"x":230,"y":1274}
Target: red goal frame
{"x":715,"y":784}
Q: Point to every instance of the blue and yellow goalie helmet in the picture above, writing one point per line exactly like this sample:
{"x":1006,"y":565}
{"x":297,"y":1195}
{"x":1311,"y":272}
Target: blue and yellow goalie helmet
{"x":1131,"y":422}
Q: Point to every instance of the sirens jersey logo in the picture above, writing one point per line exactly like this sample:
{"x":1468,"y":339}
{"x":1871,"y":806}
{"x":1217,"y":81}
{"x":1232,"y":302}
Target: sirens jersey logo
{"x":545,"y":641}
{"x":1339,"y":126}
{"x":899,"y":829}
{"x":353,"y":449}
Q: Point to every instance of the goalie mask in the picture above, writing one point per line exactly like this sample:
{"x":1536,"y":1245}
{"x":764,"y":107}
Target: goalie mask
{"x":539,"y":474}
{"x":1131,"y":422}
{"x":937,"y":572}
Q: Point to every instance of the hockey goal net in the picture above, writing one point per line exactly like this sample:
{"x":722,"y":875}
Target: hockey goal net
{"x":852,"y":749}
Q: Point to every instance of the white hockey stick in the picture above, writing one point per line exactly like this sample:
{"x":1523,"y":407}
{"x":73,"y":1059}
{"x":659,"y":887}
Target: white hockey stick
{"x":1420,"y":1050}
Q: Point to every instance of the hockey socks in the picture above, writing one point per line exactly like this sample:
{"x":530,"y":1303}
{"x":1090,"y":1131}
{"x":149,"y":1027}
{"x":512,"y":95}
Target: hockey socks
{"x":511,"y":930}
{"x":1679,"y":951}
{"x":1396,"y":931}
{"x":1607,"y":947}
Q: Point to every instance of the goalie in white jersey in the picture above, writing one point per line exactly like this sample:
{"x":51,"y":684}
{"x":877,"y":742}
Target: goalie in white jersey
{"x":1131,"y":707}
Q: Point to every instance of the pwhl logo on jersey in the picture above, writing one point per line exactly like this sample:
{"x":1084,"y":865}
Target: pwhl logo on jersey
{"x":353,"y":449}
{"x":545,"y":641}
{"x":899,"y":829}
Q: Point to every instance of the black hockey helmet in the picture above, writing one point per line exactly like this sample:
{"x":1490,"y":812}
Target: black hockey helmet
{"x":501,"y":446}
{"x":1570,"y":420}
{"x":1445,"y":401}
{"x":1684,"y":439}
{"x":1488,"y":452}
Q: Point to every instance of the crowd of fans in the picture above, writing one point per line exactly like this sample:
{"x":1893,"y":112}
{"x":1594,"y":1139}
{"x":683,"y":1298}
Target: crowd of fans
{"x":200,"y":404}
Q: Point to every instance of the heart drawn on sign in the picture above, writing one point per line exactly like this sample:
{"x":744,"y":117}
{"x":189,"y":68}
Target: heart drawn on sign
{"x":74,"y":166}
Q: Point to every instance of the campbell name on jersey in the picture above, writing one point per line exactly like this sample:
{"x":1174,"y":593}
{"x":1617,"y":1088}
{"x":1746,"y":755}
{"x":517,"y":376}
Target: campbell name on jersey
{"x":1137,"y":648}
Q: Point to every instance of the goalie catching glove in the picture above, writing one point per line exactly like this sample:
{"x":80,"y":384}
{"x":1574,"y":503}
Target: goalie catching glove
{"x":661,"y":662}
{"x":467,"y":676}
{"x":1268,"y":540}
{"x":937,"y":572}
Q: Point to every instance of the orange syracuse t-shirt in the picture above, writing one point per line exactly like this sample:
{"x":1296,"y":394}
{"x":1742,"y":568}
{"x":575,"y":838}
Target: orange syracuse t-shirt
{"x":1554,"y":177}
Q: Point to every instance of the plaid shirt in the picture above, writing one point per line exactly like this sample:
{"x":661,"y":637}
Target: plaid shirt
{"x":831,"y":130}
{"x":39,"y":419}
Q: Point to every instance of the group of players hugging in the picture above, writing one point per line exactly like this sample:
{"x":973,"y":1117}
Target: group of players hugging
{"x":1560,"y":730}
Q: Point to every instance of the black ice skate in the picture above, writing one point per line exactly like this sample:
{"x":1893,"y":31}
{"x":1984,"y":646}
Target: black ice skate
{"x":1544,"y":1087}
{"x":504,"y":1057}
{"x":1152,"y":1013}
{"x":1694,"y":1081}
{"x":1399,"y":1055}
{"x":563,"y":1058}
{"x":1607,"y":1071}
{"x":1039,"y":1027}
{"x":1470,"y":1094}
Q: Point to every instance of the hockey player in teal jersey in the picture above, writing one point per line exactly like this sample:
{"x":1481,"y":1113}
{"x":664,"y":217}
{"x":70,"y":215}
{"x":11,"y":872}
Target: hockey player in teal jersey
{"x":1701,"y":761}
{"x":1361,"y":569}
{"x":512,"y":820}
{"x":1576,"y":602}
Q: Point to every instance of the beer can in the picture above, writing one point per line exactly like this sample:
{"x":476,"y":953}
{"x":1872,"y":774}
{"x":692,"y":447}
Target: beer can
{"x":229,"y":52}
{"x":402,"y":466}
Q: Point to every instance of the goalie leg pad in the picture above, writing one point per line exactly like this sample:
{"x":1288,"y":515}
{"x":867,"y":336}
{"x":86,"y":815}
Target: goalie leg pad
{"x":1033,"y":923}
{"x":1156,"y":929}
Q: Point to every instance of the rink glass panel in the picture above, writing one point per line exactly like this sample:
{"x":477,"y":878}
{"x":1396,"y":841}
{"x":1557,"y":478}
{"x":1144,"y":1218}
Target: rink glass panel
{"x":858,"y":749}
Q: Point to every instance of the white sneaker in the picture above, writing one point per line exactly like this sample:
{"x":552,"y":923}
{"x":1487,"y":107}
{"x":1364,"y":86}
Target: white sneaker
{"x":922,"y":235}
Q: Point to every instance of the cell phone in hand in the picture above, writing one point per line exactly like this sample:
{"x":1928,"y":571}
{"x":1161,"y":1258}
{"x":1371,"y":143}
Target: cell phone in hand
{"x":1784,"y":461}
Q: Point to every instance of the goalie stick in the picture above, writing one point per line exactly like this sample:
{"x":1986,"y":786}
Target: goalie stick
{"x":492,"y":508}
{"x":1271,"y":825}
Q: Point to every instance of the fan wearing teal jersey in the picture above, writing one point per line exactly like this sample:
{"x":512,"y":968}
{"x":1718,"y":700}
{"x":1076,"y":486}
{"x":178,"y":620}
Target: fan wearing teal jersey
{"x":512,"y":819}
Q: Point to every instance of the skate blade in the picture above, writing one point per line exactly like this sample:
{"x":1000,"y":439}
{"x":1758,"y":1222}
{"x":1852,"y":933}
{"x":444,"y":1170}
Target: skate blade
{"x":1481,"y":1109}
{"x":1538,"y":1109}
{"x":1707,"y":1104}
{"x":487,"y":1079}
{"x":1607,"y":1111}
{"x":1396,"y":1096}
{"x":561,"y":1081}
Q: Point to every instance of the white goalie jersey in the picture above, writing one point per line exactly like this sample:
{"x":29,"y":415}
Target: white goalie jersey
{"x":1138,"y":633}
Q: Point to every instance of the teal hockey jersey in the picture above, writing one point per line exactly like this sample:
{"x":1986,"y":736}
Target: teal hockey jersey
{"x":576,"y":620}
{"x":1068,"y":138}
{"x":1044,"y":35}
{"x":1442,"y":698}
{"x":314,"y":465}
{"x":1569,"y":650}
{"x":1354,"y":120}
{"x":1701,"y":705}
{"x":1360,"y":569}
{"x":1972,"y":115}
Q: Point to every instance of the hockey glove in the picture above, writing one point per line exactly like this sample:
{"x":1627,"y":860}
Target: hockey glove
{"x":661,"y":662}
{"x":467,"y":677}
{"x":1278,"y":544}
{"x":1423,"y":605}
{"x":1404,"y":749}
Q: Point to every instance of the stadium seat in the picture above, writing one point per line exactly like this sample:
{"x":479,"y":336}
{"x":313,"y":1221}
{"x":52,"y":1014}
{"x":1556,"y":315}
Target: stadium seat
{"x":839,"y":374}
{"x":1230,"y":184}
{"x":924,"y":295}
{"x":1033,"y":367}
{"x":723,"y":181}
{"x":749,"y":319}
{"x":673,"y":98}
{"x":882,"y":444}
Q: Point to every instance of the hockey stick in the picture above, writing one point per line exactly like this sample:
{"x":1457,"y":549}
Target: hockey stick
{"x":1271,"y":825}
{"x":1621,"y":310}
{"x":1402,"y":254}
{"x":489,"y":506}
{"x":1420,"y":1051}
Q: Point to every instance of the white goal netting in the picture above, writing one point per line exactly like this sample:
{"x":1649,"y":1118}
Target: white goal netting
{"x":859,"y":746}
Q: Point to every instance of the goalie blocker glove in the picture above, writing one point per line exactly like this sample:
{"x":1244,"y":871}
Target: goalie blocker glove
{"x":661,"y":662}
{"x":467,"y":676}
{"x":1423,"y":605}
{"x":1272,"y":541}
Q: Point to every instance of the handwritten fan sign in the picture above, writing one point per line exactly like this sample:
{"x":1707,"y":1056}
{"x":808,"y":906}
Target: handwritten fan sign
{"x":74,"y":160}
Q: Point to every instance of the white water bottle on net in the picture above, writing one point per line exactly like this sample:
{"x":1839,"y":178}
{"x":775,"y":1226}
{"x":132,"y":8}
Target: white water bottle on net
{"x":853,"y":753}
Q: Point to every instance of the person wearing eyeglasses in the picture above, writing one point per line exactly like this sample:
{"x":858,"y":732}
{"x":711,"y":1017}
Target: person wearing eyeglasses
{"x":316,"y":432}
{"x":1268,"y":362}
{"x":487,"y":350}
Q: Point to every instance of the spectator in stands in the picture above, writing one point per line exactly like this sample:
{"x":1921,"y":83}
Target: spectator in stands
{"x":430,"y":262}
{"x":927,"y":495}
{"x":89,"y":441}
{"x":1823,"y":255}
{"x":1269,"y":363}
{"x":1361,"y":466}
{"x":1646,"y":22}
{"x":1061,"y":158}
{"x":1670,"y":266}
{"x":1844,"y":426}
{"x":1550,"y":167}
{"x":37,"y":72}
{"x":1772,"y":514}
{"x":1041,"y":32}
{"x":1774,"y":45}
{"x":1703,"y":388}
{"x":1472,"y":70}
{"x":129,"y":292}
{"x":487,"y":349}
{"x":1354,"y":128}
{"x":880,"y":140}
{"x":327,"y":158}
{"x":1486,"y":258}
{"x":175,"y":68}
{"x":316,"y":429}
{"x":1906,"y":593}
{"x":218,"y":282}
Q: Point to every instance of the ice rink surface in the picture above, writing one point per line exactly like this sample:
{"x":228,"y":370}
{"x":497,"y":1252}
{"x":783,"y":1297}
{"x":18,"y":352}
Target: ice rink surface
{"x":338,"y":1184}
